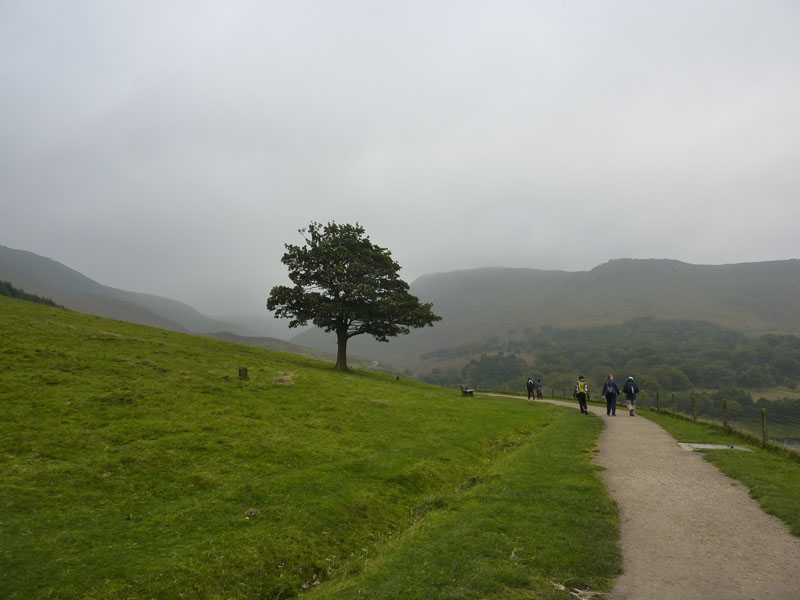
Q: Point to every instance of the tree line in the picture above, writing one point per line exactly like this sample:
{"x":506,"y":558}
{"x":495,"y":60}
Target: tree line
{"x":6,"y":289}
{"x":661,"y":354}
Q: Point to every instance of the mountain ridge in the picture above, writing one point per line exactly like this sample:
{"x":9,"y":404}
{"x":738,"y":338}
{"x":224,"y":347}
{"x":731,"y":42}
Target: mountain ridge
{"x":475,"y":304}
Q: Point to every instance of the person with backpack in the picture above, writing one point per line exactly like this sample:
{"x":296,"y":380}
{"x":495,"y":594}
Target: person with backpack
{"x":530,"y":388}
{"x":610,"y":393}
{"x":582,"y":394}
{"x":630,"y":390}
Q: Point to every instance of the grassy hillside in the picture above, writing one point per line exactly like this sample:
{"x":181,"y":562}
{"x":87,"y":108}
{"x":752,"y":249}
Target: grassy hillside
{"x":49,"y":278}
{"x":269,"y":343}
{"x":130,"y":457}
{"x":45,"y":277}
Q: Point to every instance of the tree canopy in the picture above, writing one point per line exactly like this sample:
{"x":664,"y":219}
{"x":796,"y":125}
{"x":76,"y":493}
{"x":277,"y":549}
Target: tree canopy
{"x":662,"y":354}
{"x":346,"y":284}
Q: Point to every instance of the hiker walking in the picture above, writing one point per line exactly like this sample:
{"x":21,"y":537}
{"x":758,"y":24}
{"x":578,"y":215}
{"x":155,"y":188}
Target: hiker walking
{"x":630,"y":390}
{"x":582,"y":394}
{"x":539,"y":389}
{"x":531,"y":393}
{"x":610,"y":393}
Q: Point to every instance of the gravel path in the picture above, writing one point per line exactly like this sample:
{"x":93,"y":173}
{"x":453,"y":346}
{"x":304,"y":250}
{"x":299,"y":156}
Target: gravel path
{"x":687,"y":530}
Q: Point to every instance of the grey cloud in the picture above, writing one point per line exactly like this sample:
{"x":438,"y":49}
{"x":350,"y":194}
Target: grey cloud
{"x":174,"y":147}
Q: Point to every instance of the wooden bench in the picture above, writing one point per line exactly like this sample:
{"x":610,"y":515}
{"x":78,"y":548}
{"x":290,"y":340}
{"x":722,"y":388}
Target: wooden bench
{"x":465,"y":391}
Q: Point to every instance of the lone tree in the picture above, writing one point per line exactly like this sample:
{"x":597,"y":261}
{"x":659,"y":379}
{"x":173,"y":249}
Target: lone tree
{"x":345,"y":283}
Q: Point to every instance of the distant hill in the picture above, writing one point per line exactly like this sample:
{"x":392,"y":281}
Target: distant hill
{"x":6,"y":289}
{"x":753,"y":298}
{"x":48,"y":278}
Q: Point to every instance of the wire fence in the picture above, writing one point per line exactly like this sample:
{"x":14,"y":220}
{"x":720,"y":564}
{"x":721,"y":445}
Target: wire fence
{"x":777,"y":423}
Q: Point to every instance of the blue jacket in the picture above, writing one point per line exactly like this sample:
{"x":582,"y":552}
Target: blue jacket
{"x":610,"y":388}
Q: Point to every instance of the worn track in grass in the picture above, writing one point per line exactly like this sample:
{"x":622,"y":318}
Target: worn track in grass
{"x":688,"y":531}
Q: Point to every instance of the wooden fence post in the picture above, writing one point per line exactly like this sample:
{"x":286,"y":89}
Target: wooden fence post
{"x":565,"y":392}
{"x":673,"y":403}
{"x":644,"y":399}
{"x":694,"y":408}
{"x":658,"y":400}
{"x":242,"y":372}
{"x":725,"y":413}
{"x":764,"y":425}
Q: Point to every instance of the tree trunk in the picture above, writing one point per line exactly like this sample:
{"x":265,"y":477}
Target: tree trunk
{"x":341,"y":353}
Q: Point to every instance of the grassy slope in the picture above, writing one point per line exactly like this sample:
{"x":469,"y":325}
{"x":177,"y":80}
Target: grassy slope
{"x":129,"y":456}
{"x":505,"y":534}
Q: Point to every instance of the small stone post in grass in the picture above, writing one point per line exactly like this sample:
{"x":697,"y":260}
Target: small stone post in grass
{"x":242,"y":372}
{"x":764,"y":425}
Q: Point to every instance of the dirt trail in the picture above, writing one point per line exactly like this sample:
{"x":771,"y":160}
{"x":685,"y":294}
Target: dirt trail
{"x":687,"y":530}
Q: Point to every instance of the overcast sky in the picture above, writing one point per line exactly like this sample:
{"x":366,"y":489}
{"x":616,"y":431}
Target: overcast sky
{"x":173,"y":147}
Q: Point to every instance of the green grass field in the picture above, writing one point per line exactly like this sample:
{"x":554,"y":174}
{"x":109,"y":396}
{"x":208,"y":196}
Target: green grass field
{"x":130,"y":457}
